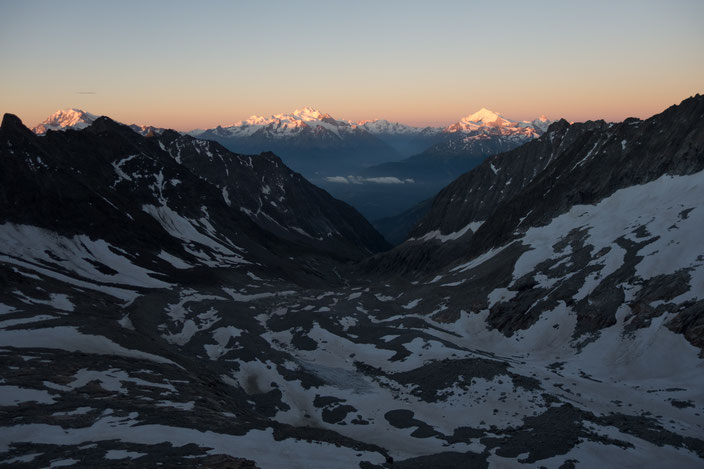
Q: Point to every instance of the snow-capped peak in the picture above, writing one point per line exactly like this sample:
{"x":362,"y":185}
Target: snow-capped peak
{"x":485,"y":116}
{"x":308,"y":114}
{"x":486,"y":121}
{"x":482,"y":119}
{"x":66,"y":119}
{"x":286,"y":125}
{"x":541,"y":123}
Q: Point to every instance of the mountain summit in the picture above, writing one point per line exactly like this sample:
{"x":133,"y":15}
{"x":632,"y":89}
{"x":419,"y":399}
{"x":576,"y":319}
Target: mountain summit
{"x":307,"y":114}
{"x":281,"y":126}
{"x":66,"y":119}
{"x":486,"y":117}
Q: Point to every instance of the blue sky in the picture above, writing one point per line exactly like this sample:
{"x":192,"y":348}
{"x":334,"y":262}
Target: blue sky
{"x":188,"y":64}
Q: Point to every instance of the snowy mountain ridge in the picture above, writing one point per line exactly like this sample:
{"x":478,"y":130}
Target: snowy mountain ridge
{"x":288,"y":124}
{"x":77,"y":119}
{"x":283,"y":125}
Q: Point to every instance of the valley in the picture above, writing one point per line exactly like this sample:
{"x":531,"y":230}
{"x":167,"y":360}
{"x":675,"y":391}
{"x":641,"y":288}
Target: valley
{"x":167,"y":301}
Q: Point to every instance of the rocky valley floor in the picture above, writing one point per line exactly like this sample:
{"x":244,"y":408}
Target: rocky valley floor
{"x":312,"y":378}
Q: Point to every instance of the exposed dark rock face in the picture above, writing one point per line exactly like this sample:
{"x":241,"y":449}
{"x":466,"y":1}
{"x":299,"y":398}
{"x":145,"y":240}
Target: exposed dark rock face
{"x":690,"y":322}
{"x":475,"y":195}
{"x":276,"y":198}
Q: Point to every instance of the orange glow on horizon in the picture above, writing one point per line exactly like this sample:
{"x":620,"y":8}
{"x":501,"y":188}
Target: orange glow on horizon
{"x":185,"y":120}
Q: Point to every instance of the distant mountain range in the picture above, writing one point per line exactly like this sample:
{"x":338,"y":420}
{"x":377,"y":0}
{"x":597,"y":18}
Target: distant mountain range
{"x":363,"y":162}
{"x":311,"y":142}
{"x":309,"y":129}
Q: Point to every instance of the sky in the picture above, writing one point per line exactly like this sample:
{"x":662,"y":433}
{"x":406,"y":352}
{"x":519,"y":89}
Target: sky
{"x":188,"y":65}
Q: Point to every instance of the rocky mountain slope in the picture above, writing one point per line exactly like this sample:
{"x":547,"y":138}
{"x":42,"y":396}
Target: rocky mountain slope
{"x":582,"y":216}
{"x":543,"y":178}
{"x":395,"y":229}
{"x":277,"y":199}
{"x":563,"y":331}
{"x":107,"y":180}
